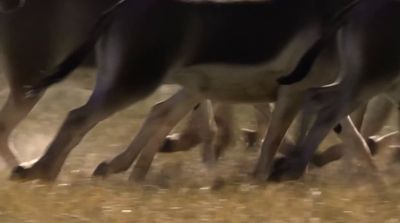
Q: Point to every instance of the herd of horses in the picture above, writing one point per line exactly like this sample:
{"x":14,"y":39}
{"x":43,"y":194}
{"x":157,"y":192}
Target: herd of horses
{"x":321,"y":58}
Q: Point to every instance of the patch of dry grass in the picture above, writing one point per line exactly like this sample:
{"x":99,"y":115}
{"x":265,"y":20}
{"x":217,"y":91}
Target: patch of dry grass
{"x":90,"y":201}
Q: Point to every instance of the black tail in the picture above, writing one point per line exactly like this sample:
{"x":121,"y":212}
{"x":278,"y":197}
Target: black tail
{"x":307,"y":60}
{"x":74,"y":59}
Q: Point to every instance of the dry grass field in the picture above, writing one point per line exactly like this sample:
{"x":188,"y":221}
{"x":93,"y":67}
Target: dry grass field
{"x":179,"y":188}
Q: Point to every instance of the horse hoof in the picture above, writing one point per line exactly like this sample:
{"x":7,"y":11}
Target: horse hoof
{"x":260,"y":175}
{"x":102,"y":170}
{"x":331,"y":154}
{"x":287,"y":169}
{"x":250,"y":138}
{"x":18,"y":173}
{"x":22,"y":173}
{"x":168,"y":145}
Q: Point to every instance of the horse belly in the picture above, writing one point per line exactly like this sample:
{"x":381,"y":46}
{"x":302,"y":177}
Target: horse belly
{"x":232,"y":83}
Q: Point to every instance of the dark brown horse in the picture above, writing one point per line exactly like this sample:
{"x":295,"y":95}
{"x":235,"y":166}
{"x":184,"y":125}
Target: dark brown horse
{"x":231,"y":52}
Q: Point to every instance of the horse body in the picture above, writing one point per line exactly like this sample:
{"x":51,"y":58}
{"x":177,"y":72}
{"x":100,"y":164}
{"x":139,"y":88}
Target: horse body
{"x":149,"y":42}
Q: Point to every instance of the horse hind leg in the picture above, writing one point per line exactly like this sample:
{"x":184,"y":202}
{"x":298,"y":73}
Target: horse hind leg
{"x":378,"y":113}
{"x":162,"y":118}
{"x":191,"y":135}
{"x":14,"y":110}
{"x":283,"y":114}
{"x":369,"y":120}
{"x":224,"y":121}
{"x":21,"y":64}
{"x":393,"y":138}
{"x":328,"y":114}
{"x":355,"y":142}
{"x":109,"y":97}
{"x":77,"y":124}
{"x":320,"y":101}
{"x":173,"y":111}
{"x":253,"y":138}
{"x":210,"y":125}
